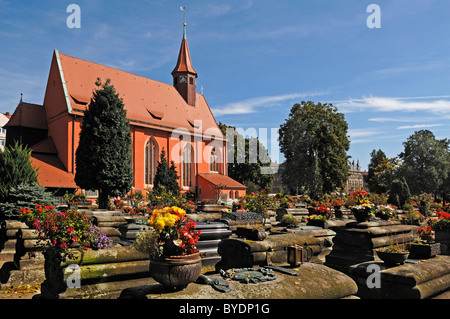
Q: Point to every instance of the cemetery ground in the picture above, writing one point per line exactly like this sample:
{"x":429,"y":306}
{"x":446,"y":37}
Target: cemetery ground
{"x":301,"y":250}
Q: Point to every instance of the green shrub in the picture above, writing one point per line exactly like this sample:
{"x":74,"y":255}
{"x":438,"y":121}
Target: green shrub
{"x":399,"y":193}
{"x":24,"y":196}
{"x":15,"y":169}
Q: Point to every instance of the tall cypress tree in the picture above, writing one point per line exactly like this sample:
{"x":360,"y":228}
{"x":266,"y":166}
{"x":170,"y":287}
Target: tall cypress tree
{"x":166,"y":176}
{"x":103,"y":157}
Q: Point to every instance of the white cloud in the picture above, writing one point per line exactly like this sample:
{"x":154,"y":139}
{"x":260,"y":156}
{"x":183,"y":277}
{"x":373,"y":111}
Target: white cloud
{"x":433,"y":104}
{"x":353,"y":133}
{"x":418,"y":126}
{"x":402,"y":119}
{"x":252,"y":105}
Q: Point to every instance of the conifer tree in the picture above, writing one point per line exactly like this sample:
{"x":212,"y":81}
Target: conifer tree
{"x":103,"y":156}
{"x":15,"y":168}
{"x":166,"y":176}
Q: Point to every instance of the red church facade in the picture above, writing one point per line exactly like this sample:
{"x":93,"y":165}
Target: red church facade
{"x":171,"y":117}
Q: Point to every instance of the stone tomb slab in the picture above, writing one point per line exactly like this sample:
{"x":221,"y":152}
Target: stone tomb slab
{"x":314,"y":281}
{"x":429,"y":278}
{"x":356,"y":242}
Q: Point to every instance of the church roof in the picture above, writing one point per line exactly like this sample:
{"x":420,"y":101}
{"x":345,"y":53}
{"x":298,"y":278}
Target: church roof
{"x":28,"y":115}
{"x":219,"y":179}
{"x":148,"y":103}
{"x":51,"y":171}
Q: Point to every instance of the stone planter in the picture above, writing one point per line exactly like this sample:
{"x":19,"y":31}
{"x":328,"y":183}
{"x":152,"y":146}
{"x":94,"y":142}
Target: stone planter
{"x":251,"y":234}
{"x":176,"y":271}
{"x":442,"y":235}
{"x":318,"y":223}
{"x":424,"y":251}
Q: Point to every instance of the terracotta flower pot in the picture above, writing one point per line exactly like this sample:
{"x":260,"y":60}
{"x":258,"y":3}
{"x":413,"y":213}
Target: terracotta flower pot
{"x":176,"y":271}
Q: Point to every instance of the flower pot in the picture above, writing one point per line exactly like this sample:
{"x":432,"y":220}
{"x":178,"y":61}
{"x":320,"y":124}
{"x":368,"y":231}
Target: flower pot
{"x":361,"y":215}
{"x":338,"y":212}
{"x":424,"y":251}
{"x":391,"y":258}
{"x":176,"y":271}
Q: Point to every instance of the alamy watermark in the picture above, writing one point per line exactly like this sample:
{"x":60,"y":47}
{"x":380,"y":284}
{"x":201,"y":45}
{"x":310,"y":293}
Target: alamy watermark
{"x":74,"y":19}
{"x":374,"y":279}
{"x":374,"y":20}
{"x":74,"y":279}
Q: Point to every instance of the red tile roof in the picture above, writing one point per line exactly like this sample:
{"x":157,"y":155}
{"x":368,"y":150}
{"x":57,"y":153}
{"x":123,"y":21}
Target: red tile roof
{"x":29,"y":115}
{"x":217,"y":179}
{"x":51,"y":171}
{"x":148,"y":103}
{"x":46,"y":146}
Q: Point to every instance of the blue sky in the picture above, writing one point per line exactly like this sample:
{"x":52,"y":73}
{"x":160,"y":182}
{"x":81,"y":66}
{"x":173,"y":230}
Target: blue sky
{"x":255,"y":58}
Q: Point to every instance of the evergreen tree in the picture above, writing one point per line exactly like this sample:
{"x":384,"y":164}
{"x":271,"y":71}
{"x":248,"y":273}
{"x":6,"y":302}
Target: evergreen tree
{"x":314,"y":142}
{"x":166,"y":176}
{"x":399,"y":193}
{"x":15,"y":169}
{"x":24,"y":196}
{"x":103,"y":156}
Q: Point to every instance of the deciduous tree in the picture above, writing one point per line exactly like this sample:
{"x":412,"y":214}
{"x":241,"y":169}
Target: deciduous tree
{"x":314,"y":142}
{"x":426,"y":162}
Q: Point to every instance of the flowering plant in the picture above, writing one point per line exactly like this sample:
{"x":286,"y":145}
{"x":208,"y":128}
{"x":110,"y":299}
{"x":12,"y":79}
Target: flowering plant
{"x":318,"y":217}
{"x":385,"y":212}
{"x":359,"y":197}
{"x":338,"y":203}
{"x":426,"y":233}
{"x":64,"y":229}
{"x":443,"y":222}
{"x":237,"y":206}
{"x":174,"y":235}
{"x":323,"y":210}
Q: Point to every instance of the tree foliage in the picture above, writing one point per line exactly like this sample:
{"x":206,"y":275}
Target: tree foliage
{"x":426,"y":162}
{"x":25,"y":195}
{"x":103,"y":156}
{"x":250,"y":157}
{"x":314,"y":142}
{"x":399,"y":193}
{"x":15,"y":169}
{"x":381,"y":172}
{"x":166,"y":176}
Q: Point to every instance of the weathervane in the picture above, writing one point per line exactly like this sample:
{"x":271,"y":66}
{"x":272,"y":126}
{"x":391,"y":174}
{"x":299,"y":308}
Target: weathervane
{"x":184,"y":21}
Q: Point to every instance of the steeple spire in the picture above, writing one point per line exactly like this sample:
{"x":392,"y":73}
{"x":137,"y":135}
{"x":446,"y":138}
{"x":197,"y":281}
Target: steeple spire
{"x":184,"y":74}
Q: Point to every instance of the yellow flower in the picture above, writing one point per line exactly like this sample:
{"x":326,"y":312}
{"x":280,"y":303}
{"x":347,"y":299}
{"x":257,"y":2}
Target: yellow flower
{"x":167,"y":216}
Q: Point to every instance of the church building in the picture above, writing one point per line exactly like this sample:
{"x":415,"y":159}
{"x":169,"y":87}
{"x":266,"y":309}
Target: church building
{"x":171,"y":117}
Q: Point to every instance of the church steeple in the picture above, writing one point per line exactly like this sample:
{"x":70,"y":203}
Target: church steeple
{"x":184,"y":75}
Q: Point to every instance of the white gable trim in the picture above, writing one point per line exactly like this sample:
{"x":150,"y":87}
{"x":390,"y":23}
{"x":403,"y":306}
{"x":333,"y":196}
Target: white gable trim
{"x":61,"y":73}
